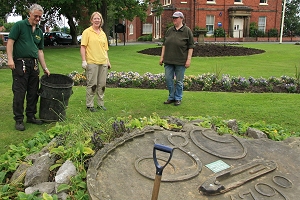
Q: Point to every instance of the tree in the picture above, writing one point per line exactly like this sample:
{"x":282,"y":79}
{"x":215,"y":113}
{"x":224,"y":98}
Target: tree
{"x":8,"y":26}
{"x":292,"y":17}
{"x":80,"y":10}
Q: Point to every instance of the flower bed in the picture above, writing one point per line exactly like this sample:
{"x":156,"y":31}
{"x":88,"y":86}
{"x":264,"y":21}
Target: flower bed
{"x":3,"y":60}
{"x":204,"y":82}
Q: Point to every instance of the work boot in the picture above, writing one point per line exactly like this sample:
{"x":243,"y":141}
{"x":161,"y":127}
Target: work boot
{"x":92,"y":109}
{"x":102,"y":108}
{"x":33,"y":120}
{"x":20,"y":126}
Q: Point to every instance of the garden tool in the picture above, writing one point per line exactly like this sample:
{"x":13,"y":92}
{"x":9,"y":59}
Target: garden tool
{"x":159,"y":169}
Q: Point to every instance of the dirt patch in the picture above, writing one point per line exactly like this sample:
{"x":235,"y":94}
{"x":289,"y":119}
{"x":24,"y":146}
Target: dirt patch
{"x":212,"y":50}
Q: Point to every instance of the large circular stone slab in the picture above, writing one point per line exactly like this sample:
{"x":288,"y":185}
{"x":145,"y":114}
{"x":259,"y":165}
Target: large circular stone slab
{"x":204,"y":166}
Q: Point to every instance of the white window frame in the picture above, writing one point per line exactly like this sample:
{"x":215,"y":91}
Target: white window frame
{"x":262,"y":22}
{"x":167,"y":2}
{"x":130,"y":29}
{"x":238,"y":1}
{"x":263,"y":2}
{"x":210,"y":22}
{"x":211,"y":2}
{"x":147,"y":28}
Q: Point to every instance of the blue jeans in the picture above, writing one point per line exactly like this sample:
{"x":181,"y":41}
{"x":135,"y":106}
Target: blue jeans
{"x":177,"y":72}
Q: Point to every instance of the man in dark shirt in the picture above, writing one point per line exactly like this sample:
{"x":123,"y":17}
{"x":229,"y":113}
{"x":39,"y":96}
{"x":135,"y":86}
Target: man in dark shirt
{"x":176,"y":54}
{"x":24,"y":52}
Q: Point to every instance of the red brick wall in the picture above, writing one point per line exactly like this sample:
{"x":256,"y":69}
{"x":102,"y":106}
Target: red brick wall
{"x":220,"y":10}
{"x":195,"y":12}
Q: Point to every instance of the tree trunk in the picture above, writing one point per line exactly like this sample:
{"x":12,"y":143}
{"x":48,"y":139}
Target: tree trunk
{"x":103,"y":11}
{"x":72,"y":29}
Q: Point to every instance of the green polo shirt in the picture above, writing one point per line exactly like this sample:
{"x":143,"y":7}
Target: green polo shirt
{"x":27,"y":43}
{"x":177,"y":43}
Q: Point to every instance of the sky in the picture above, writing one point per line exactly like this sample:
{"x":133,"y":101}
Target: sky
{"x":13,"y":18}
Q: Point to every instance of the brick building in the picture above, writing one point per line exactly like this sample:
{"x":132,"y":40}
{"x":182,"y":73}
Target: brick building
{"x":234,"y":16}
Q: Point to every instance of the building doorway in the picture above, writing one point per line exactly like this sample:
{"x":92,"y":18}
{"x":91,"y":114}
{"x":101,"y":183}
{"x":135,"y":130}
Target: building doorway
{"x":239,"y":22}
{"x":238,"y":28}
{"x":157,"y":31}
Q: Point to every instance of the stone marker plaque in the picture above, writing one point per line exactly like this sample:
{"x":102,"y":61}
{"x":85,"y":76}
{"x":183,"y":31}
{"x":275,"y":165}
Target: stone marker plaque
{"x":258,"y":169}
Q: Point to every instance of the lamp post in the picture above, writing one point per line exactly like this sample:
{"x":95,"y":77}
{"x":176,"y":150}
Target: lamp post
{"x":282,"y":22}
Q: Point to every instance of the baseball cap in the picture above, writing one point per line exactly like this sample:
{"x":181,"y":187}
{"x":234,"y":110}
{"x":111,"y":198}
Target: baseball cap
{"x":178,"y":14}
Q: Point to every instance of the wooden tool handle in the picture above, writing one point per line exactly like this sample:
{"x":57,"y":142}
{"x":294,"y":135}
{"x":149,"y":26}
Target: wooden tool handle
{"x":156,"y":187}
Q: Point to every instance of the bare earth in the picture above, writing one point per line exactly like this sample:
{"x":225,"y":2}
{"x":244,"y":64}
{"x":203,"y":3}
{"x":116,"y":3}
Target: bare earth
{"x":212,"y":50}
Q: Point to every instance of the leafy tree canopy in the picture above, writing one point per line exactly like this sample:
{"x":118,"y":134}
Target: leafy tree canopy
{"x":292,"y":17}
{"x":80,"y":10}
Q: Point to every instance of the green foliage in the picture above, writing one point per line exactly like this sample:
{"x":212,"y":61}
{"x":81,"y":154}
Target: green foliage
{"x":75,"y":142}
{"x":253,"y":29}
{"x":260,"y":33}
{"x":65,"y":30}
{"x":7,"y":191}
{"x":219,"y":32}
{"x":254,"y":32}
{"x":78,"y":186}
{"x":292,"y":17}
{"x":205,"y":82}
{"x":8,"y":26}
{"x":273,"y":32}
{"x":167,"y":26}
{"x":118,"y":9}
{"x":145,"y":38}
{"x":274,"y":131}
{"x":49,"y":197}
{"x":297,"y":75}
{"x":121,"y":102}
{"x":56,"y":28}
{"x":197,"y":30}
{"x":16,"y":154}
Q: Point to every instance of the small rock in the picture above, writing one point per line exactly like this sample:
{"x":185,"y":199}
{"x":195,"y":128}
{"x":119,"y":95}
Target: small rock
{"x":255,"y":133}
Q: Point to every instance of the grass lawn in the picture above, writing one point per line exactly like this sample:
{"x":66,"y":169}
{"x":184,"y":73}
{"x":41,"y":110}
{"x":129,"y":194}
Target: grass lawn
{"x":273,"y":108}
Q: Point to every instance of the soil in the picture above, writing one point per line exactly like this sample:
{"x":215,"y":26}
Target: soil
{"x":212,"y":50}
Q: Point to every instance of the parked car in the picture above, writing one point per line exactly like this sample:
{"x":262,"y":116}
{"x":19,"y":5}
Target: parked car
{"x":79,"y":39}
{"x":57,"y":38}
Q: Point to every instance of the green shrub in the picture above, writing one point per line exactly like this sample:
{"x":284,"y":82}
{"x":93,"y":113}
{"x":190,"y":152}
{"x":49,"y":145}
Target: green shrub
{"x":253,"y":29}
{"x":8,"y":26}
{"x":196,"y":29}
{"x":145,"y":38}
{"x":260,"y":33}
{"x":219,"y":32}
{"x":273,"y":32}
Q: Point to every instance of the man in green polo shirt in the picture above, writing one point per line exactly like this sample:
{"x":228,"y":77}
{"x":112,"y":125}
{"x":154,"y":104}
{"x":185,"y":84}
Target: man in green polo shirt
{"x":24,"y":52}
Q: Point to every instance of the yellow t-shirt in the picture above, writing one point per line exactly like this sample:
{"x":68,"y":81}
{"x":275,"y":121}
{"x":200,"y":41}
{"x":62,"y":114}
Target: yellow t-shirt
{"x":96,"y":46}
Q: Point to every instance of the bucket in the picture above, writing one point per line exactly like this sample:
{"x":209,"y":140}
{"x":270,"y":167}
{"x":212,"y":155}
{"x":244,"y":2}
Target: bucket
{"x":54,"y":93}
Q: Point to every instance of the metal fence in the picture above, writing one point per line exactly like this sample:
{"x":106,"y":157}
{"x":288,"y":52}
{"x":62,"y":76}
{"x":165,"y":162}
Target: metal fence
{"x":271,"y":35}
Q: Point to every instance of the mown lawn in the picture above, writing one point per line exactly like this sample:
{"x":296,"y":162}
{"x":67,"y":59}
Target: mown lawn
{"x":273,"y":108}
